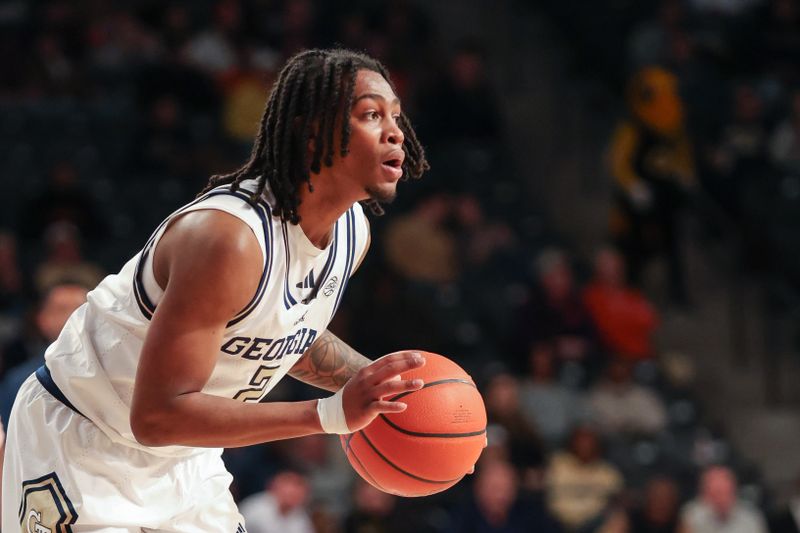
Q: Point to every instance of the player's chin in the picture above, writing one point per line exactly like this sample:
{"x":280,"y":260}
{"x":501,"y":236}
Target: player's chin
{"x":384,"y":193}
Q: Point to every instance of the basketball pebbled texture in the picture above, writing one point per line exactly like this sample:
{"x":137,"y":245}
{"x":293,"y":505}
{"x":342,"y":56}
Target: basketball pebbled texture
{"x":431,"y":445}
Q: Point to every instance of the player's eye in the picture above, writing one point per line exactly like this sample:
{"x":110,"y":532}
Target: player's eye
{"x":372,"y":115}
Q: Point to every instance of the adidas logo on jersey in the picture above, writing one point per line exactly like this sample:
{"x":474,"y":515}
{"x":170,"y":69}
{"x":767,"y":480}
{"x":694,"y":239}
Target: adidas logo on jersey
{"x":308,"y":282}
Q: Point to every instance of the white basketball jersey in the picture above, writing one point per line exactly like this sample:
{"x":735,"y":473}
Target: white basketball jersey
{"x":93,"y":363}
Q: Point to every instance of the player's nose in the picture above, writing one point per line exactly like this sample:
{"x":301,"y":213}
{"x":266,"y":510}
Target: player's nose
{"x":394,"y":134}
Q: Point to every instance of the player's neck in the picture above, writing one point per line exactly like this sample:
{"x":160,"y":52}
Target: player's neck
{"x":319,"y":211}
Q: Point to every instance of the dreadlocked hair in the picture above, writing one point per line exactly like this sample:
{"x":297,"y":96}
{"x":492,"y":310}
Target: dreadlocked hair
{"x":313,"y":88}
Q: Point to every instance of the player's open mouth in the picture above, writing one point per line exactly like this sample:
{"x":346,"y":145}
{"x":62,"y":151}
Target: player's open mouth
{"x":394,"y":167}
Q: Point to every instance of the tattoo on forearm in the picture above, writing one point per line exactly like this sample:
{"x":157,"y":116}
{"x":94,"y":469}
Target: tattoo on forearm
{"x":329,"y":363}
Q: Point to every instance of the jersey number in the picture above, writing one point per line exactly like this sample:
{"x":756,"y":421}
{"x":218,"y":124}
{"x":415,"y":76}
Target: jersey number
{"x":259,"y":381}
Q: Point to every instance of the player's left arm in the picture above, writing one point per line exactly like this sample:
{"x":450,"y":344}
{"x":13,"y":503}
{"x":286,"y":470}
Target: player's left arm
{"x":330,"y":362}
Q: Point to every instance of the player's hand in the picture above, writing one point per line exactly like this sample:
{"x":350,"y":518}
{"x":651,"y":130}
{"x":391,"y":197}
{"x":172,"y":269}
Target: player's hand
{"x":363,"y":395}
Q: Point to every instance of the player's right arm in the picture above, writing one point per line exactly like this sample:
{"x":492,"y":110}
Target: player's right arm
{"x":209,"y":264}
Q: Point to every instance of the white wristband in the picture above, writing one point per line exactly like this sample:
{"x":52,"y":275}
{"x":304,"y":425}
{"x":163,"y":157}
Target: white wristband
{"x":331,"y":414}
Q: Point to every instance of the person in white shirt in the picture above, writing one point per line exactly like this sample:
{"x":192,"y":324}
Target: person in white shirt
{"x":281,"y":508}
{"x":718,"y":510}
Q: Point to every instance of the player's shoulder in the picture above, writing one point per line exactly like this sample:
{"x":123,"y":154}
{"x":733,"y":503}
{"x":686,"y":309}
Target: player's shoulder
{"x":211,"y":240}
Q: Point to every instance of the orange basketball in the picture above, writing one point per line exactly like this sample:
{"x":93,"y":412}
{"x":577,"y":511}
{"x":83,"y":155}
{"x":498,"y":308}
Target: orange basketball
{"x":431,"y":445}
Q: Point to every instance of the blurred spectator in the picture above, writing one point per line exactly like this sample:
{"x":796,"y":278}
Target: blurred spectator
{"x":480,"y":239}
{"x":11,"y":282}
{"x":414,"y":320}
{"x":374,"y":511}
{"x":785,"y":142}
{"x":659,"y":511}
{"x":781,"y":38}
{"x":624,"y":319}
{"x":213,"y":50}
{"x":556,"y":311}
{"x":649,"y":43}
{"x":724,"y":7}
{"x":787,"y":518}
{"x":297,"y":26}
{"x":56,"y":307}
{"x":53,"y":72}
{"x":741,"y":153}
{"x":652,"y":166}
{"x":63,"y":200}
{"x":119,"y":41}
{"x":622,"y":406}
{"x":580,"y":484}
{"x":328,"y":474}
{"x":164,"y":142}
{"x":245,"y":89}
{"x":553,"y":408}
{"x":423,"y":233}
{"x":497,"y":507}
{"x":718,"y":509}
{"x":281,"y":508}
{"x":64,"y":260}
{"x":503,"y":408}
{"x":460,"y":106}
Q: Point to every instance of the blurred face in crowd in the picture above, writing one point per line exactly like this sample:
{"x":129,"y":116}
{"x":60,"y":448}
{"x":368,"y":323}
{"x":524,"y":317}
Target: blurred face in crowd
{"x":747,"y":103}
{"x":9,"y":268}
{"x":502,"y":395}
{"x":556,"y":278}
{"x":290,"y":491}
{"x":56,"y":308}
{"x":372,"y":501}
{"x":63,"y":243}
{"x":610,"y":268}
{"x":585,"y":445}
{"x":372,"y":166}
{"x":620,"y":372}
{"x":542,"y":362}
{"x":467,"y":70}
{"x":661,"y":501}
{"x":63,"y":175}
{"x":495,"y":488}
{"x":718,"y":490}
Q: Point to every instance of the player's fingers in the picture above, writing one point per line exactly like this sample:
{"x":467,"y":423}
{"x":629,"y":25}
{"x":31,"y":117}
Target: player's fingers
{"x":471,"y":470}
{"x":396,"y":365}
{"x":385,"y":406}
{"x":398,"y":386}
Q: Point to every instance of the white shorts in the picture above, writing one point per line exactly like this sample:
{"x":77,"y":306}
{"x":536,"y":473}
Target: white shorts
{"x":62,"y":474}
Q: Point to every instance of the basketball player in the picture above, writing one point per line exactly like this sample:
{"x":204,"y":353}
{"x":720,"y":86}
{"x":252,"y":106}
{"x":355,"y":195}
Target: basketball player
{"x":121,"y":430}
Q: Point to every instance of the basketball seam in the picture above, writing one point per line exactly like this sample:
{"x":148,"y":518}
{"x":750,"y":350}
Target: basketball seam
{"x":363,"y":468}
{"x":431,"y":384}
{"x":432,"y":435}
{"x":402,"y":471}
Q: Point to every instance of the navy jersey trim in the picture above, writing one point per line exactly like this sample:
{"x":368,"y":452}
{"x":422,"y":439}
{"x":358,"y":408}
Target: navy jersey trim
{"x":51,"y":483}
{"x":265,"y":215}
{"x":288,"y":299}
{"x":327,"y":268}
{"x":147,"y":307}
{"x":351,"y":250}
{"x":44,"y":377}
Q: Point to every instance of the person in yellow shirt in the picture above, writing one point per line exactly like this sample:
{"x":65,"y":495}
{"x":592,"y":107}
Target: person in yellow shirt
{"x":579,"y":483}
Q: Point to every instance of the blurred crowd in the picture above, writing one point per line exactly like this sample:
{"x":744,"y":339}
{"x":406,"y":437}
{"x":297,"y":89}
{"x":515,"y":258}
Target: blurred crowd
{"x":111,"y":117}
